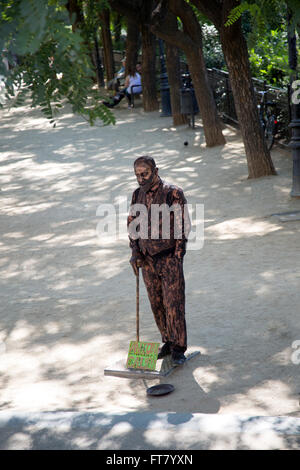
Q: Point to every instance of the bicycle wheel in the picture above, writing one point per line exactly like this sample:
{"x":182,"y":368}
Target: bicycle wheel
{"x":270,"y":132}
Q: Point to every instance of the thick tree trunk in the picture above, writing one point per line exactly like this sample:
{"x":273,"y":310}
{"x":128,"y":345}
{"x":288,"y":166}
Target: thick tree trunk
{"x":236,"y":55}
{"x":173,"y":70}
{"x":133,"y":32}
{"x":292,"y":48}
{"x":117,"y":30}
{"x":97,"y":62}
{"x":108,"y":54}
{"x":139,"y":11}
{"x":150,"y":101}
{"x":211,"y":123}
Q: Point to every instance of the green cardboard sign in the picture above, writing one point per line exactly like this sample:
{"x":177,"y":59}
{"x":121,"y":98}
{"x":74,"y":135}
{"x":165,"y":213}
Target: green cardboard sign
{"x":142,"y":355}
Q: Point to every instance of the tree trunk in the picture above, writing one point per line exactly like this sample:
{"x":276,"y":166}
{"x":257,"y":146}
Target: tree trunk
{"x":174,"y":78}
{"x":150,"y":101}
{"x":117,"y":30}
{"x":97,"y":63}
{"x":236,"y":56}
{"x":292,"y":47}
{"x":190,"y":41}
{"x":74,"y":8}
{"x":211,"y":123}
{"x":108,"y":54}
{"x":140,"y":12}
{"x":132,"y":39}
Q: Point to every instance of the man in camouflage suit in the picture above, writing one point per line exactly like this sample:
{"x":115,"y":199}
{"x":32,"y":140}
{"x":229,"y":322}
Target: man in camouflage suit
{"x":161,"y":256}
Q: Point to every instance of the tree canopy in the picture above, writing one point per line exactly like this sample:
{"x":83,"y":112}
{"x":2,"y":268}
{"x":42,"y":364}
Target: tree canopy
{"x":49,"y":45}
{"x":50,"y":61}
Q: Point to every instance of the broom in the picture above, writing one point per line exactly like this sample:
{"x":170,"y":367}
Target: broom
{"x":142,"y":356}
{"x":142,"y":372}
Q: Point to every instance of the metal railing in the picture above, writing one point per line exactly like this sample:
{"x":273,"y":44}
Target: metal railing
{"x":220,"y":84}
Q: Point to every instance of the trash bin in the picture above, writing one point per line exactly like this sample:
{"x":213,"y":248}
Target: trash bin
{"x":188,"y":102}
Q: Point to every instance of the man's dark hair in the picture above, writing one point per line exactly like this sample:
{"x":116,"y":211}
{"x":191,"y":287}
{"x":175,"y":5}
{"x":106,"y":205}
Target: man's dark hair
{"x":145,"y":159}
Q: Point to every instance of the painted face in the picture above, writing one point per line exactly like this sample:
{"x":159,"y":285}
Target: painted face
{"x":146,"y":176}
{"x":143,"y":174}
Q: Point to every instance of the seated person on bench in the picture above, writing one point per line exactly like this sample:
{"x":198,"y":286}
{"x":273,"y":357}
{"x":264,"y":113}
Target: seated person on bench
{"x":119,"y":78}
{"x":134,"y":80}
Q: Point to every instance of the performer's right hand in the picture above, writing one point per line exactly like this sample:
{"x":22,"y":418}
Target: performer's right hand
{"x":136,"y":262}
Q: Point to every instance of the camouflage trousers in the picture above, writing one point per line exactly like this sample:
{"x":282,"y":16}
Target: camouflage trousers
{"x":164,"y":280}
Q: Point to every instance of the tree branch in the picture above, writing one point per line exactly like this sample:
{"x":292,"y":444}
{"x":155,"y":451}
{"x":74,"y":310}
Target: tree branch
{"x":161,"y":27}
{"x":190,"y":23}
{"x":126,"y":7}
{"x":212,"y":9}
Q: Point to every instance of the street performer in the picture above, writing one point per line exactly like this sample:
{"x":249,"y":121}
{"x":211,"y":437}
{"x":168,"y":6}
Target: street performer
{"x":160,"y":254}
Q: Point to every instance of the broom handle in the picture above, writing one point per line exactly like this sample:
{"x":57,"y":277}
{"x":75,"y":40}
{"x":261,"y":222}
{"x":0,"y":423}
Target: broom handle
{"x":138,"y":305}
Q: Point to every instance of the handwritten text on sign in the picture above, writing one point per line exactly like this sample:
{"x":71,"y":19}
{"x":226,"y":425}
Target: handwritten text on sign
{"x":142,"y":355}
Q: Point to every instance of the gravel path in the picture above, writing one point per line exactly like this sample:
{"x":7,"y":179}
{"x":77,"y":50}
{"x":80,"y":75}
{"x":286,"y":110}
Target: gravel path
{"x":68,"y":296}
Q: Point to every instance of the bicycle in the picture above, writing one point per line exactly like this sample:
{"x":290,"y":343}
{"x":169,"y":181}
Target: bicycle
{"x":268,"y":118}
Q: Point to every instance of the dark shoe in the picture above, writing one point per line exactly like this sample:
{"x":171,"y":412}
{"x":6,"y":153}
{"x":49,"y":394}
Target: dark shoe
{"x":178,"y":358}
{"x":164,"y":351}
{"x":107,"y":104}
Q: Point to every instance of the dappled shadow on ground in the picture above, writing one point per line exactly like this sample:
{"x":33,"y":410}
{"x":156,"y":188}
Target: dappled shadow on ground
{"x":68,"y":305}
{"x":146,"y":431}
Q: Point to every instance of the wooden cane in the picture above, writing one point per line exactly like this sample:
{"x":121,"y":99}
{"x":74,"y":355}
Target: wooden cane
{"x":138,"y":305}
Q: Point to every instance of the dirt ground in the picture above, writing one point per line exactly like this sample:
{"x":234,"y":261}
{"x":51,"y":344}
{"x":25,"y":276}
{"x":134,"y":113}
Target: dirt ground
{"x":68,"y":295}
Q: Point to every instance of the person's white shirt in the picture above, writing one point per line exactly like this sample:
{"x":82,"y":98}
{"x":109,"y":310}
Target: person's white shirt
{"x":134,"y":80}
